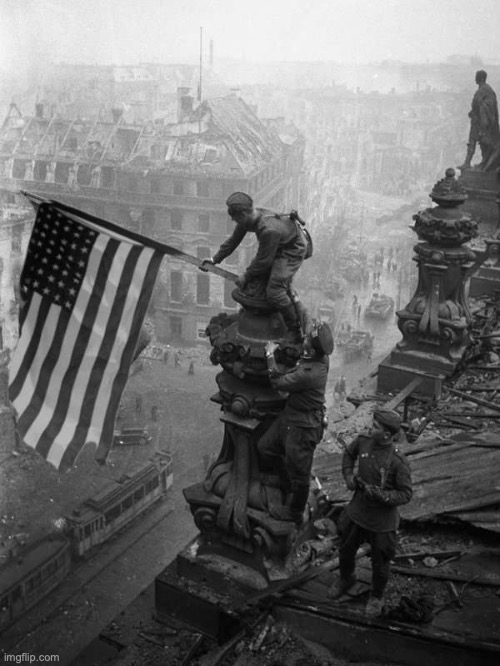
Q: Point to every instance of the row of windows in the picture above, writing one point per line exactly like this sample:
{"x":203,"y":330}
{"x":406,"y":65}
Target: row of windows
{"x":177,"y":291}
{"x":92,"y":175}
{"x":176,"y":329}
{"x":134,"y":497}
{"x":48,"y":570}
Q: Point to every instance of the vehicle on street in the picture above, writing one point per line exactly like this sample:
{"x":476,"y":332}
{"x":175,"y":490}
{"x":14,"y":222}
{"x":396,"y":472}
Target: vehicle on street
{"x":360,"y":342}
{"x":131,"y":437}
{"x":380,"y":306}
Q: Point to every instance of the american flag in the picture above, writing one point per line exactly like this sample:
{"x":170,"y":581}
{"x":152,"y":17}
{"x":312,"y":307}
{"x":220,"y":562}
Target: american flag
{"x":86,"y":286}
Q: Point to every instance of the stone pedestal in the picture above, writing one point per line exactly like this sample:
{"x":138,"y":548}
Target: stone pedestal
{"x":435,"y":323}
{"x":239,"y":508}
{"x":487,"y":279}
{"x":200,"y":595}
{"x":483,"y":203}
{"x":483,"y":192}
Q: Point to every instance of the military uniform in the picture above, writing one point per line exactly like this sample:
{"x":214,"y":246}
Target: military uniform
{"x":373,"y":519}
{"x":294,"y":434}
{"x":282,"y":248}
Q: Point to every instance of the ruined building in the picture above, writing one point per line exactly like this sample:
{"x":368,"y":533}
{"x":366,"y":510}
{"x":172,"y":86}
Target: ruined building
{"x":168,"y":181}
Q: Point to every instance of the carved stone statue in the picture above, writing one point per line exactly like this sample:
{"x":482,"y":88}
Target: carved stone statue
{"x":484,"y":128}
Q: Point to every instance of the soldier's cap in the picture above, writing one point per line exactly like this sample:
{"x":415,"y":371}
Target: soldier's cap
{"x":388,"y":418}
{"x":322,"y":338}
{"x":239,"y":201}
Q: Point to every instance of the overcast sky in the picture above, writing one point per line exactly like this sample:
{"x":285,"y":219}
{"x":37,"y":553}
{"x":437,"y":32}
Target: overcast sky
{"x":358,"y":31}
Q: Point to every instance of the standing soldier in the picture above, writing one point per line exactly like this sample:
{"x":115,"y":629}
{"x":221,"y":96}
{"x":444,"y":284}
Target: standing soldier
{"x":290,"y":441}
{"x":382,"y":483}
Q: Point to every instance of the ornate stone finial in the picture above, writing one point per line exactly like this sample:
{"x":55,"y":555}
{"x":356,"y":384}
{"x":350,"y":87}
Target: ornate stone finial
{"x":446,"y":223}
{"x":448,"y":192}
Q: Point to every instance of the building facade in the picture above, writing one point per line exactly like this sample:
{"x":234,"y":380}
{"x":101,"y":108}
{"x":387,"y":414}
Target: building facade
{"x":168,"y":181}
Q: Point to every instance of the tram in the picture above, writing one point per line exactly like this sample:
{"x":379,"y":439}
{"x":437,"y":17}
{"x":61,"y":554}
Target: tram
{"x":96,"y":519}
{"x":29,"y":576}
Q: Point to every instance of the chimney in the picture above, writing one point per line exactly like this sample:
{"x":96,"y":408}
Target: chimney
{"x":184,"y":104}
{"x":211,"y":54}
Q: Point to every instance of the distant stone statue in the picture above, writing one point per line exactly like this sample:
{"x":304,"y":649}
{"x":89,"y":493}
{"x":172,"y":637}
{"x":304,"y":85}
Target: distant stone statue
{"x":484,"y":129}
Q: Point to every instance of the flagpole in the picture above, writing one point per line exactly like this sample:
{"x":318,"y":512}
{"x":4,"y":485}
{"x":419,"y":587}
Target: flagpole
{"x":35,"y":199}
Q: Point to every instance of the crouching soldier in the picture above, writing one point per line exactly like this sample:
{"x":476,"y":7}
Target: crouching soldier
{"x":283,"y":244}
{"x":382,"y":483}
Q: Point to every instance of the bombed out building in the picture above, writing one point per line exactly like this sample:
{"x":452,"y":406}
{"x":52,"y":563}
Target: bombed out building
{"x":166,"y":180}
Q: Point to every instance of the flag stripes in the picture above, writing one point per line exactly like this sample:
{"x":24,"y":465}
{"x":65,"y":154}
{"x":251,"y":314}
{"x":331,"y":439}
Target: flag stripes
{"x":73,"y":357}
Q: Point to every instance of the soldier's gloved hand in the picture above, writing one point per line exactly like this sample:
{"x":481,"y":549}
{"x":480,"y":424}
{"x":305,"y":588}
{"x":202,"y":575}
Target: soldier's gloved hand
{"x":375,"y":493}
{"x":350,"y":482}
{"x":205,"y":264}
{"x":271,"y":347}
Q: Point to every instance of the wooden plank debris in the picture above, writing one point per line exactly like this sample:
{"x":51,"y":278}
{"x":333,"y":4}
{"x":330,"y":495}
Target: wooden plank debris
{"x":471,"y":398}
{"x":404,"y":393}
{"x":453,"y":478}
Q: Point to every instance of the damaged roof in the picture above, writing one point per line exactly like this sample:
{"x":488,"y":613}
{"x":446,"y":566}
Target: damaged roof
{"x":222,"y":137}
{"x":455,"y":455}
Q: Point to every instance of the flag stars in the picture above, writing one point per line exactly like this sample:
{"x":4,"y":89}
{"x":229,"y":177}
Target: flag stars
{"x":57,"y":256}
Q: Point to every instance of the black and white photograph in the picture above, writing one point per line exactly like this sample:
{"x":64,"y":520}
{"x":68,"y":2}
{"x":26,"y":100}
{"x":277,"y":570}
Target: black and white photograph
{"x":249,"y":332}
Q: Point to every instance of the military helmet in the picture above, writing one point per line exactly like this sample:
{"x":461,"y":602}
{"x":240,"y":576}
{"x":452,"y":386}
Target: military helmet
{"x":322,"y":338}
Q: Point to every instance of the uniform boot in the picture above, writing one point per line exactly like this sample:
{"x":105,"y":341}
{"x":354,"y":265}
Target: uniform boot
{"x":298,"y":501}
{"x":294,"y":509}
{"x":292,"y":321}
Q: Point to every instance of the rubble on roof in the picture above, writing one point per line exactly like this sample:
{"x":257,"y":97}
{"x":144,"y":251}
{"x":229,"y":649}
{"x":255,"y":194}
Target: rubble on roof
{"x":456,"y":456}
